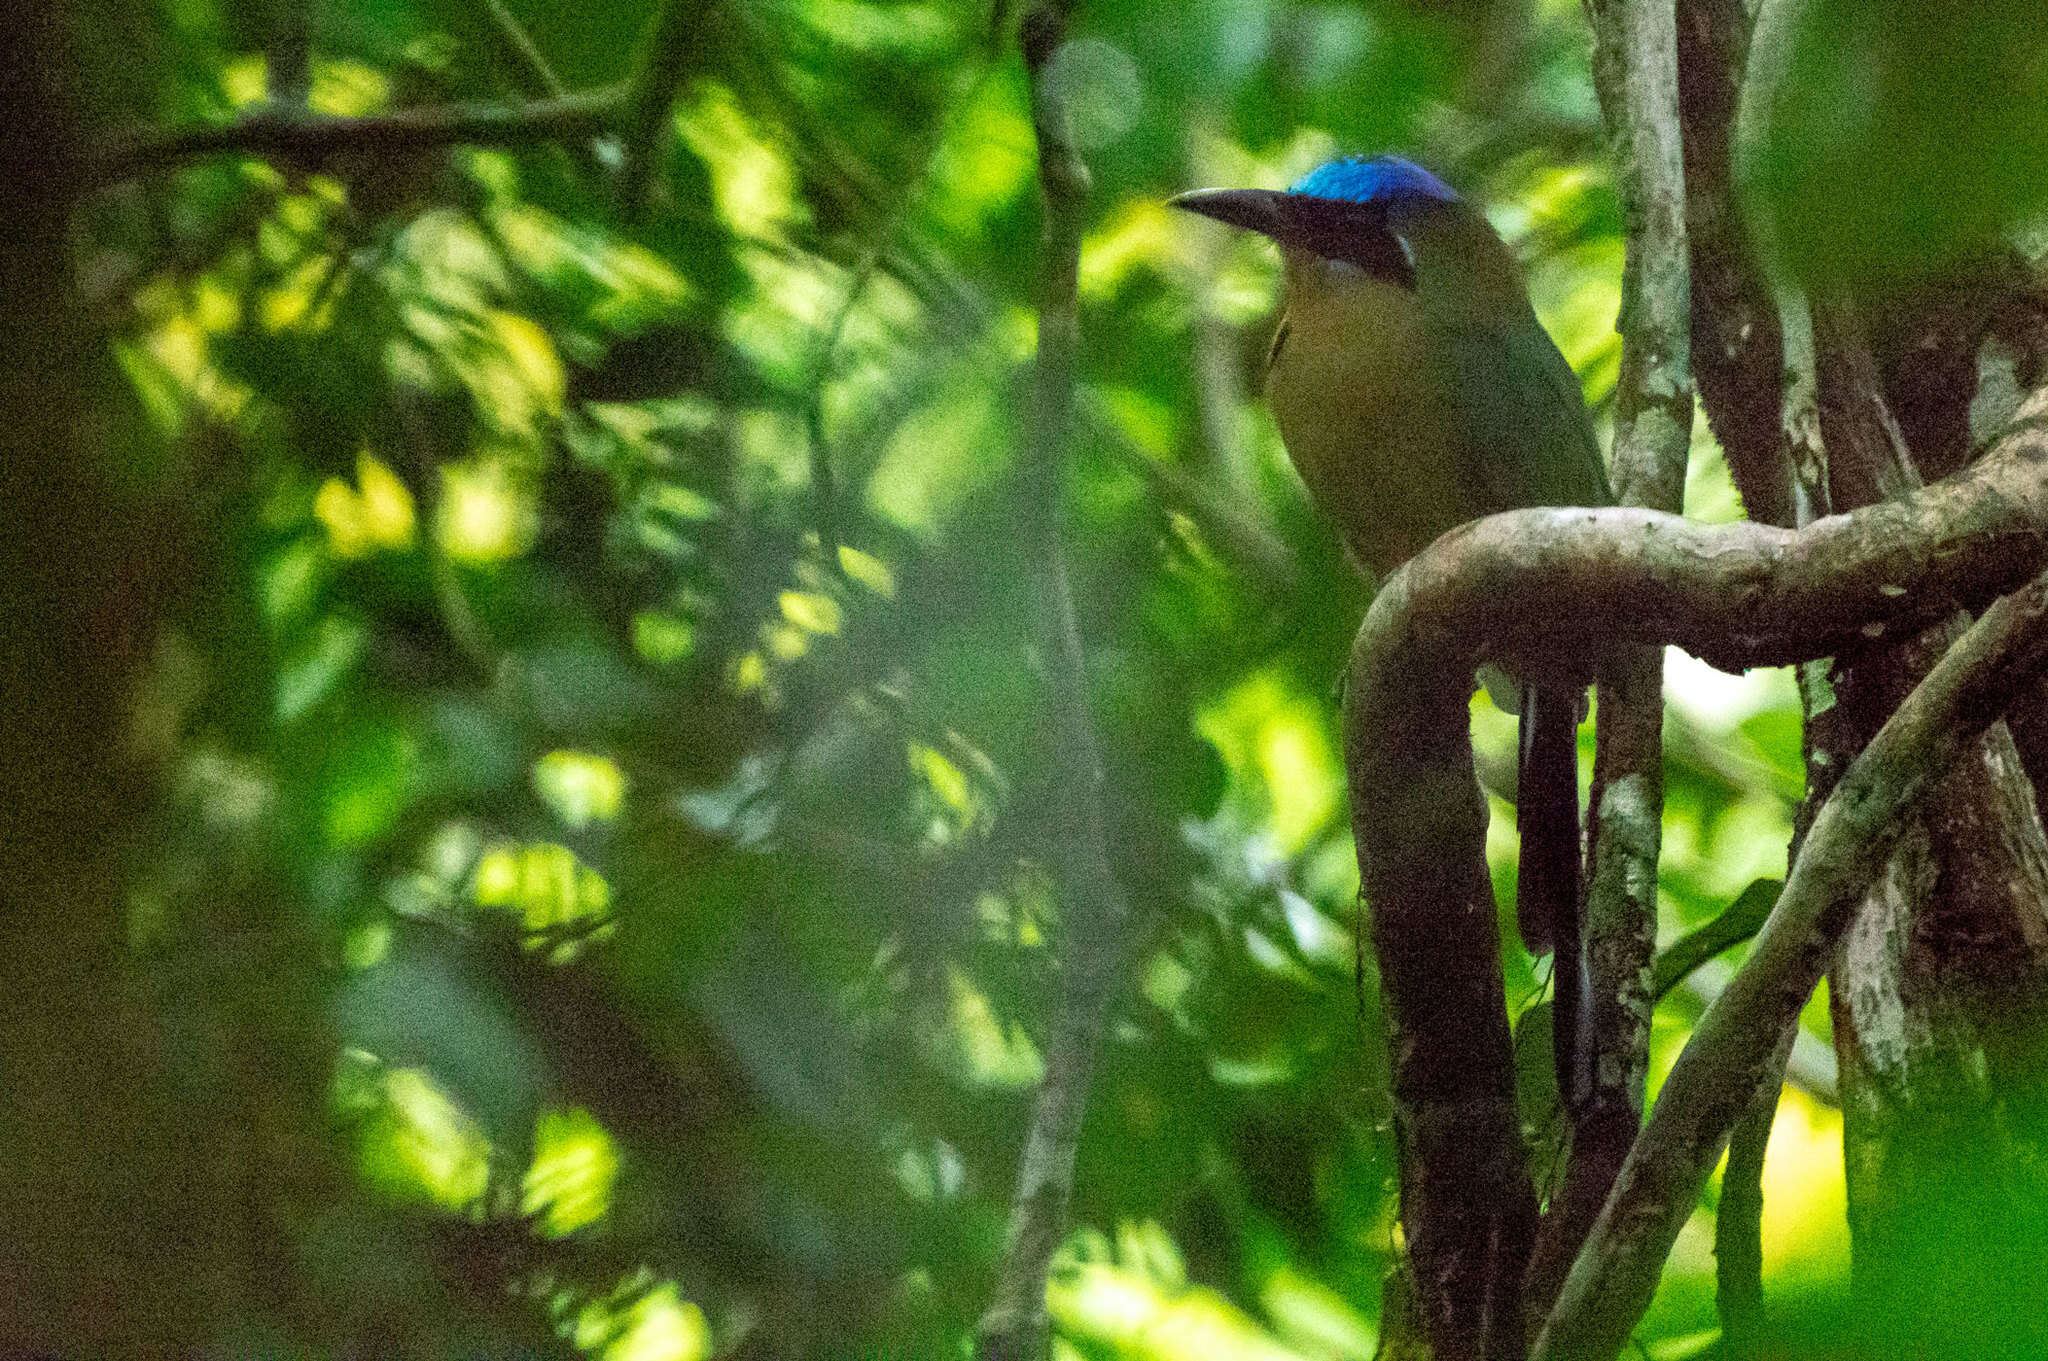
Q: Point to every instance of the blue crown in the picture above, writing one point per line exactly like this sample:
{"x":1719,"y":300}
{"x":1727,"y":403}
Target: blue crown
{"x":1372,"y":179}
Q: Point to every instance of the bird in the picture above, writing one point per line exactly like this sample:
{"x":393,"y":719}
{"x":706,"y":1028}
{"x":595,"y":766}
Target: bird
{"x":1415,"y":390}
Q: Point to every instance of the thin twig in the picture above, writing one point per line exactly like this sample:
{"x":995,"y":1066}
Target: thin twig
{"x":309,"y":139}
{"x":289,"y":54}
{"x":1097,"y":913}
{"x":1715,"y":1076}
{"x":521,"y":43}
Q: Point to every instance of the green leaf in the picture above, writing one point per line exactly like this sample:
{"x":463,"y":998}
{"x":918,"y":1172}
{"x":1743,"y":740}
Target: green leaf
{"x":1741,"y":919}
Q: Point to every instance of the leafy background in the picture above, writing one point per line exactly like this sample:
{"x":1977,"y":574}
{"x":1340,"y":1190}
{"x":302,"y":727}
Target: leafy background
{"x":605,"y":881}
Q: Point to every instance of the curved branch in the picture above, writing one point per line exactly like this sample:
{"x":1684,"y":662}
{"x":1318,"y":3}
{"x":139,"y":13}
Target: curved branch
{"x":1734,"y":1045}
{"x":1737,"y":595}
{"x":1532,"y":586}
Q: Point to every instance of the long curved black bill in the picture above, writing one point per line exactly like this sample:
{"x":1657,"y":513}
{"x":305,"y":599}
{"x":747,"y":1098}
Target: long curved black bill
{"x":1335,"y":229}
{"x":1256,"y":210}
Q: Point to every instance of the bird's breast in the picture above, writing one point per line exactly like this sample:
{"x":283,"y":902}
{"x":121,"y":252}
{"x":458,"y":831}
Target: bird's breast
{"x":1363,"y":408}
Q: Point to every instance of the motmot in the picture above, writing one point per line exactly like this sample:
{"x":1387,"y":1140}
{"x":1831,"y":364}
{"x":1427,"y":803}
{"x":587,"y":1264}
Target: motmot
{"x":1416,"y":390}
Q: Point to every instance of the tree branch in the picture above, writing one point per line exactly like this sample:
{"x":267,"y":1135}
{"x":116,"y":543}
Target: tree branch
{"x":1943,"y":965}
{"x":310,"y":139}
{"x":1636,"y":69}
{"x":1737,"y":349}
{"x":1468,"y":1209}
{"x":1097,"y":914}
{"x":1737,"y":595}
{"x":1827,"y":746}
{"x":1739,"y":1223}
{"x":653,"y":96}
{"x":1735,"y":1042}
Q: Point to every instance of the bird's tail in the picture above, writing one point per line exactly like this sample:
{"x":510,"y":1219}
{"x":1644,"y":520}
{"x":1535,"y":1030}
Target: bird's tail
{"x":1548,"y":885}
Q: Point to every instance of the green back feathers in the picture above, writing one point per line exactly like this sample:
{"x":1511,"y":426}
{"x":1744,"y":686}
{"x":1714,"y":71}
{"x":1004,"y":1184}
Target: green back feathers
{"x":1529,"y":440}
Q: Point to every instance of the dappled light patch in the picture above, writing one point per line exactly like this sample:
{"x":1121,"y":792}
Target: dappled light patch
{"x":1279,"y":748}
{"x":1133,"y":1298}
{"x":972,"y":1041}
{"x":485,"y":513}
{"x":755,"y":189}
{"x":581,"y":787}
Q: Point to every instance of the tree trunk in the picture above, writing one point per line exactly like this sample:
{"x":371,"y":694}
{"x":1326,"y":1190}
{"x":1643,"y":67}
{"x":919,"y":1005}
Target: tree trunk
{"x":1936,"y":990}
{"x":122,"y":1198}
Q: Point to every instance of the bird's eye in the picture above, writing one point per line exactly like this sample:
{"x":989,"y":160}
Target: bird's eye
{"x":1407,"y":251}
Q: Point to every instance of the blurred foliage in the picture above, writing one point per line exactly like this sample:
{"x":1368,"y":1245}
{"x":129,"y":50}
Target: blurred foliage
{"x":638,"y":904}
{"x":1900,"y":136}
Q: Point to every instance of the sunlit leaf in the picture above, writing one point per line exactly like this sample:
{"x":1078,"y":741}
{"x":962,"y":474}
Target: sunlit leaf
{"x":1111,"y":1306}
{"x":346,"y":88}
{"x":532,"y":357}
{"x":811,"y":611}
{"x":979,"y":1047}
{"x":420,"y":1145}
{"x":569,"y":1185}
{"x":756,"y":191}
{"x":663,"y":638}
{"x":1317,"y":1318}
{"x":1276,"y":743}
{"x":868,"y":570}
{"x":545,"y":884}
{"x":658,"y":1326}
{"x":580,"y":787}
{"x":1805,"y":1227}
{"x":374,"y":515}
